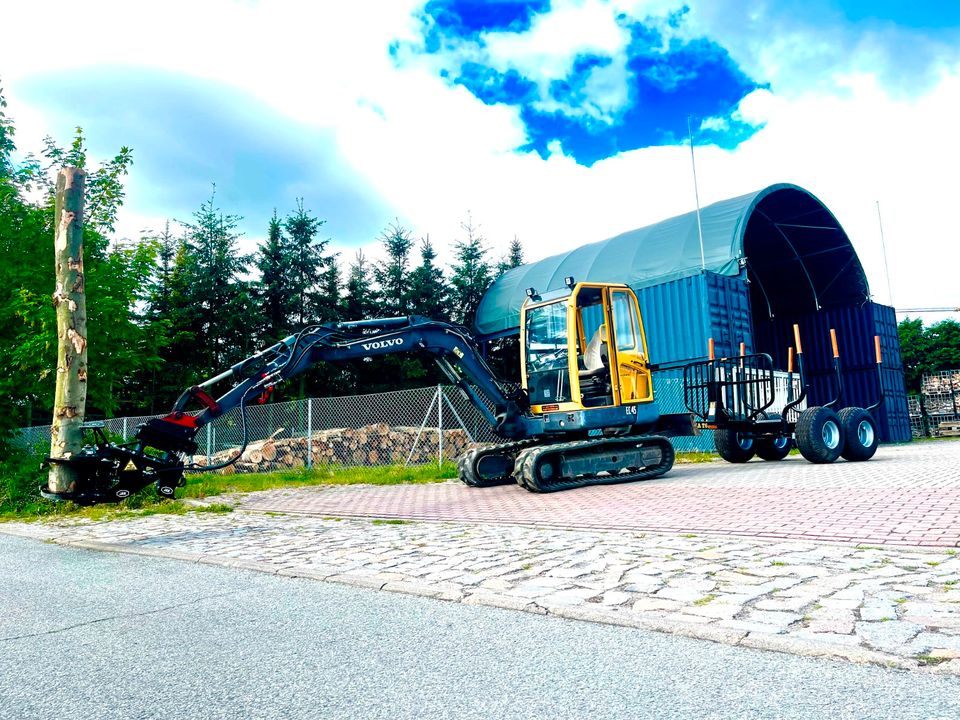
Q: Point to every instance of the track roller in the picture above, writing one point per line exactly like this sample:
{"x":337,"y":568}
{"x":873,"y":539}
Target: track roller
{"x":593,"y":462}
{"x":489,"y":466}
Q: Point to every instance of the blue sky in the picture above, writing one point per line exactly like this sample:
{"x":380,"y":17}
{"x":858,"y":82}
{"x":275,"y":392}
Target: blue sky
{"x":559,"y":121}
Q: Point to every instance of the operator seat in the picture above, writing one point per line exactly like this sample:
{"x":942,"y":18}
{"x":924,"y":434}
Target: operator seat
{"x":595,"y":377}
{"x":596,"y":356}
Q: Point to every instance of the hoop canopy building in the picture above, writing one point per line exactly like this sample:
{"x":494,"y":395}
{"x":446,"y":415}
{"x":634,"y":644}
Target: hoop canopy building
{"x":770,"y":259}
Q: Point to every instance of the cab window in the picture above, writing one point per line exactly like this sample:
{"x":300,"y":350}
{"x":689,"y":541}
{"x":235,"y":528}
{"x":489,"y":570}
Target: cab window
{"x":625,"y":324}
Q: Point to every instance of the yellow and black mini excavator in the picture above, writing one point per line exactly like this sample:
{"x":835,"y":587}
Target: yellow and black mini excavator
{"x":584,"y":414}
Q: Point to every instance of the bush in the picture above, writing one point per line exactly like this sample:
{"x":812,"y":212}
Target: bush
{"x":20,"y":478}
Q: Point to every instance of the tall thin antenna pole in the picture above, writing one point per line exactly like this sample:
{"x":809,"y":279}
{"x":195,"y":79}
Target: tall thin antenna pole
{"x":883,"y":244}
{"x":696,"y":194}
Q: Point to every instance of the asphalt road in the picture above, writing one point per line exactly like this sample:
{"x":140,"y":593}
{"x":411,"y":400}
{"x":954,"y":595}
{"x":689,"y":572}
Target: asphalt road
{"x":96,"y":635}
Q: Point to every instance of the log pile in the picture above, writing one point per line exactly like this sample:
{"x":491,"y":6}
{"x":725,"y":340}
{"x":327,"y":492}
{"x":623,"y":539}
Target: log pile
{"x":378,"y":444}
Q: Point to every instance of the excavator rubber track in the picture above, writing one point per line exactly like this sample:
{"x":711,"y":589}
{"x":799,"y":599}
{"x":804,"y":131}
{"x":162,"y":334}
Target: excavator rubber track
{"x":491,"y":465}
{"x":600,"y":461}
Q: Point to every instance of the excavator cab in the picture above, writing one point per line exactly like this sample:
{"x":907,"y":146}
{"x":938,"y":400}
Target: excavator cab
{"x":584,"y":348}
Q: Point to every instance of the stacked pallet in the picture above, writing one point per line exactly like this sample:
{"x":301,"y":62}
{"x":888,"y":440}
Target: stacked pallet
{"x":945,"y":381}
{"x":941,"y":398}
{"x":949,"y":428}
{"x":377,"y":444}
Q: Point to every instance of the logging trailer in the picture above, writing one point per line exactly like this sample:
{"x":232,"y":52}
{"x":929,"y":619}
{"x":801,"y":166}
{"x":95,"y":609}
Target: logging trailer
{"x":755,"y":410}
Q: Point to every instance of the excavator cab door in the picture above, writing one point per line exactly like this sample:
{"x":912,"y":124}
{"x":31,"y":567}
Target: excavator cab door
{"x":632,"y":373}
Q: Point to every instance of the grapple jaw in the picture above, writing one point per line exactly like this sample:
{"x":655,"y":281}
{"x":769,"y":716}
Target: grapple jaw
{"x":107,"y":472}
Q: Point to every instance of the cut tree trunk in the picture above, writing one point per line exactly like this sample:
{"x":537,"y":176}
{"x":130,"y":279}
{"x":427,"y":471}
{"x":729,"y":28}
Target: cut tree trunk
{"x":69,"y":299}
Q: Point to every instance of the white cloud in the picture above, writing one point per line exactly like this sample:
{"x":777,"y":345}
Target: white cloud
{"x":547,"y":50}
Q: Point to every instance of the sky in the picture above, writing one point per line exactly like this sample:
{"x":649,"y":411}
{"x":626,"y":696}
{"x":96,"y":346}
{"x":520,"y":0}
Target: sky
{"x":560,"y":122}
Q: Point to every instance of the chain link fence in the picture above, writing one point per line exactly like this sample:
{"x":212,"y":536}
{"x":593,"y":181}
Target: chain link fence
{"x":423,"y":425}
{"x":406,"y":427}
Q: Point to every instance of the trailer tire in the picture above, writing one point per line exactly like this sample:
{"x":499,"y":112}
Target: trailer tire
{"x":860,"y":434}
{"x":733,"y":446}
{"x":774,"y":449}
{"x":819,"y":435}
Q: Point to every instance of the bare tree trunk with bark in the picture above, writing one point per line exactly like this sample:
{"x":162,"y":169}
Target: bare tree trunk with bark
{"x":69,"y":299}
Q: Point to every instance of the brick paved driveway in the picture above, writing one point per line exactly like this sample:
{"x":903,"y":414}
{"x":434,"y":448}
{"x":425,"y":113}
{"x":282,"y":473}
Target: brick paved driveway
{"x":906,"y":495}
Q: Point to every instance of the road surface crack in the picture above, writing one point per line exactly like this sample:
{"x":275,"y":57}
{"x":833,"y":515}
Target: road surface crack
{"x":122,"y":616}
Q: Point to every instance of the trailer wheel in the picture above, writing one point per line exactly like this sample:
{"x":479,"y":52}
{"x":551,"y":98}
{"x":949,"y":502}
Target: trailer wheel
{"x":733,"y":446}
{"x":774,"y":448}
{"x":819,"y":435}
{"x":860,"y":434}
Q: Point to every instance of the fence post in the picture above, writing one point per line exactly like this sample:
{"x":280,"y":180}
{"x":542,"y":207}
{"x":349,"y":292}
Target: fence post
{"x":125,"y":436}
{"x":209,"y":454}
{"x":439,"y":425}
{"x":309,"y":433}
{"x":435,"y":399}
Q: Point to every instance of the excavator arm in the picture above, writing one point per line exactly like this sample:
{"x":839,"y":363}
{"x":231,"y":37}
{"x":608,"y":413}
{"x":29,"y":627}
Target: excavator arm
{"x":110,"y":472}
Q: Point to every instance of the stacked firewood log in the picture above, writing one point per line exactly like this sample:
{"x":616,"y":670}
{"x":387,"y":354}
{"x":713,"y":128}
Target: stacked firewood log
{"x":378,"y":444}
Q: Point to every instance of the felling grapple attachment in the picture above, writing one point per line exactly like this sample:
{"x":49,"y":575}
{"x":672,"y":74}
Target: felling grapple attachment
{"x":107,"y":472}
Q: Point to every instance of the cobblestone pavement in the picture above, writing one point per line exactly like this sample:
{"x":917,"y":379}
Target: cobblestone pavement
{"x":906,"y":495}
{"x":894,"y":606}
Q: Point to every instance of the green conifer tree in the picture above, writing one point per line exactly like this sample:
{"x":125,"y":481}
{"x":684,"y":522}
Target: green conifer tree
{"x":471,"y":275}
{"x":514,"y":257}
{"x":429,"y":294}
{"x":275,"y":291}
{"x":392,"y":273}
{"x":306,"y":265}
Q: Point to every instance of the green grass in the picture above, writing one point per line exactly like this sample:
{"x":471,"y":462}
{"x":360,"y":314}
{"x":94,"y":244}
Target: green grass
{"x":930,"y":659}
{"x":390,"y":522}
{"x":705,"y":599}
{"x":696,"y":457}
{"x":20,"y":480}
{"x":211,"y":484}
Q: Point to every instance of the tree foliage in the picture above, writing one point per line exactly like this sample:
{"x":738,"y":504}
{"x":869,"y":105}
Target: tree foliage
{"x":428,"y":292}
{"x":928,"y":349}
{"x":118,"y":344}
{"x":471,"y":275}
{"x":392,"y":273}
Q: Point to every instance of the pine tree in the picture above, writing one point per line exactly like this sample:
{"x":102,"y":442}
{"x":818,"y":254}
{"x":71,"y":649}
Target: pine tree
{"x":513,"y":259}
{"x":331,"y":308}
{"x":429,"y":295}
{"x":471,"y":275}
{"x":275,"y":291}
{"x":158,"y":300}
{"x":359,"y":301}
{"x":392,"y":274}
{"x":218,"y":292}
{"x":307,"y":264}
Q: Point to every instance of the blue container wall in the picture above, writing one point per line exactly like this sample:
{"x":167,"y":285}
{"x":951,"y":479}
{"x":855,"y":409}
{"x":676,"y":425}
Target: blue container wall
{"x":856,"y":327}
{"x":680,"y":316}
